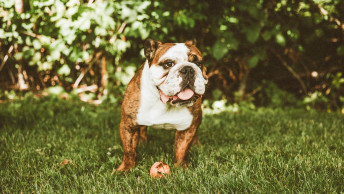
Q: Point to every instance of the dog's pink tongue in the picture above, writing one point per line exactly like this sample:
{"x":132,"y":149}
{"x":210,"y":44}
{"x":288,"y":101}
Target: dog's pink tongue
{"x":186,"y":94}
{"x":163,"y":97}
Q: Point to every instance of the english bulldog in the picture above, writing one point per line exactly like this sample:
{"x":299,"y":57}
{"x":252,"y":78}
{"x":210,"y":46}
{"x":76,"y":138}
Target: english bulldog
{"x":164,"y":93}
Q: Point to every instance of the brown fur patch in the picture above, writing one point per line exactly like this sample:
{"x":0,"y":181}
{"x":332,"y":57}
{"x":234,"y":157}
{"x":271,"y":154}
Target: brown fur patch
{"x":194,"y":51}
{"x":191,"y":58}
{"x":131,"y":100}
{"x":128,"y":128}
{"x":161,"y":51}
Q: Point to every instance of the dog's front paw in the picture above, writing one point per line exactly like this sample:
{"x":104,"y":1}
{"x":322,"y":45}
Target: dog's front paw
{"x":183,"y":164}
{"x":123,"y":167}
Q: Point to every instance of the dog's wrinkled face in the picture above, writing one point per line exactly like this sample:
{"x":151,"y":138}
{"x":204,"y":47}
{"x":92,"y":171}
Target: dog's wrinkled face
{"x":177,"y":71}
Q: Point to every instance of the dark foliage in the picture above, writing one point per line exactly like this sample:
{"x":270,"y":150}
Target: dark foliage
{"x":296,"y":45}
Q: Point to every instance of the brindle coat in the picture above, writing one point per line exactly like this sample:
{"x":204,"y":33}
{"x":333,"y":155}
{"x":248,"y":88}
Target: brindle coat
{"x":131,"y":133}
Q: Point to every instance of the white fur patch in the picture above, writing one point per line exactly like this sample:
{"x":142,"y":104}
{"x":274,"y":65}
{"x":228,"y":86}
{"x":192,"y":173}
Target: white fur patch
{"x":178,"y":53}
{"x":152,"y":112}
{"x":170,"y":84}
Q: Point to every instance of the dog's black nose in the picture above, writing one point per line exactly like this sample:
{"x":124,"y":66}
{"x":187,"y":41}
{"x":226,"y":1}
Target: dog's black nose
{"x":187,"y":71}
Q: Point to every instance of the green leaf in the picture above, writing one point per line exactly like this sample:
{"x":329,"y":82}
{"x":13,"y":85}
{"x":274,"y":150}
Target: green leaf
{"x":45,"y":66}
{"x":144,"y":33}
{"x":252,"y":33}
{"x":233,"y":43}
{"x":143,"y":6}
{"x":340,"y":50}
{"x":217,"y":94}
{"x":219,"y":49}
{"x":36,"y":44}
{"x":55,"y":54}
{"x":253,"y":61}
{"x":85,"y":24}
{"x":55,"y":90}
{"x":85,"y":55}
{"x":18,"y":55}
{"x":233,"y":20}
{"x":35,"y":58}
{"x":223,"y":28}
{"x":100,"y":31}
{"x":128,"y":14}
{"x":267,"y":35}
{"x":280,"y":39}
{"x":64,"y":70}
{"x":28,"y":52}
{"x":166,"y":14}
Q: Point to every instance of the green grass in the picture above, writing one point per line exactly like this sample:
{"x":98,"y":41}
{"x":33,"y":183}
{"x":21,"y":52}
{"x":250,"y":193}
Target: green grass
{"x":264,"y":150}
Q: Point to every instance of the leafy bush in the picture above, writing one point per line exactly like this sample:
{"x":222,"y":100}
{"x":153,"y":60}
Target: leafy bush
{"x":73,"y":43}
{"x":271,"y":95}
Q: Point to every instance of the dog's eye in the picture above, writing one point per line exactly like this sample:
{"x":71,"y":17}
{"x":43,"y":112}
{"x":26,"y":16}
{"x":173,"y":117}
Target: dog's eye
{"x":168,"y":64}
{"x":199,"y":64}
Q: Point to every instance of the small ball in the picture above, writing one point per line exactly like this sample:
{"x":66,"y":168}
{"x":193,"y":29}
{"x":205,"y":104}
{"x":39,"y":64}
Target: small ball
{"x":159,"y":169}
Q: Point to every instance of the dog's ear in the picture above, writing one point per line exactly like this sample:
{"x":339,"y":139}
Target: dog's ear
{"x":204,"y":72}
{"x":191,"y":42}
{"x":150,"y":47}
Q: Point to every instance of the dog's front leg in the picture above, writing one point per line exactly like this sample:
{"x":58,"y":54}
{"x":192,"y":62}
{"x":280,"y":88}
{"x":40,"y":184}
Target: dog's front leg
{"x":130,"y":139}
{"x":183,"y":141}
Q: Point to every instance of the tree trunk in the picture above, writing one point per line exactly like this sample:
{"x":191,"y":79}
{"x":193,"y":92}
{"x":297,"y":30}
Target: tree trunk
{"x":244,"y":72}
{"x":22,"y":85}
{"x":104,"y":79}
{"x":19,"y":6}
{"x":242,"y":86}
{"x":21,"y":81}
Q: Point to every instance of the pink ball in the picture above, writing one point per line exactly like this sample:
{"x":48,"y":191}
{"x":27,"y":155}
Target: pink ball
{"x":159,"y":169}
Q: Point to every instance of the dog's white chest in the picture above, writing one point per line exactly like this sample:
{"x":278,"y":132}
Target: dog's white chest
{"x":157,"y":116}
{"x":152,"y":112}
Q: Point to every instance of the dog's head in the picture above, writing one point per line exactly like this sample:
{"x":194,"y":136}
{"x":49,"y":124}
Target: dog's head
{"x":177,"y":71}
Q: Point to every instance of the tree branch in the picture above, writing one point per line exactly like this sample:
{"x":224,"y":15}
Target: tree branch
{"x":6,"y":57}
{"x":83,"y":73}
{"x":291,"y":70}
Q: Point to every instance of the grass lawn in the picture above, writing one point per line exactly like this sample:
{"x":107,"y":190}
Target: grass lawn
{"x":265,"y":150}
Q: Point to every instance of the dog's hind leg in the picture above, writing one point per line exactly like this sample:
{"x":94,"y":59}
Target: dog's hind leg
{"x":195,"y":141}
{"x":143,"y":134}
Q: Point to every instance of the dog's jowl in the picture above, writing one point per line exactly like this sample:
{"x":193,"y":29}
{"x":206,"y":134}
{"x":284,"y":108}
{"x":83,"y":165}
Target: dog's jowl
{"x":164,"y":93}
